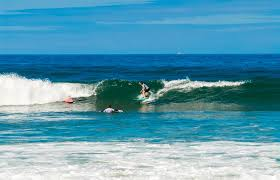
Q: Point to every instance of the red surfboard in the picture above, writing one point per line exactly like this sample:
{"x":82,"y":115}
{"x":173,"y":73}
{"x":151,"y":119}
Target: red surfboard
{"x":69,"y":100}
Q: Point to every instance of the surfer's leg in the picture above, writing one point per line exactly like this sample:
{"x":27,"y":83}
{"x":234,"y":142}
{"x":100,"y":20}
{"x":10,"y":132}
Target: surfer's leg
{"x":143,"y":93}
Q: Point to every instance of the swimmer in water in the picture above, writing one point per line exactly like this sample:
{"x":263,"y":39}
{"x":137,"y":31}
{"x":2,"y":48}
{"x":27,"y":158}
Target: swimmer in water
{"x":109,"y":109}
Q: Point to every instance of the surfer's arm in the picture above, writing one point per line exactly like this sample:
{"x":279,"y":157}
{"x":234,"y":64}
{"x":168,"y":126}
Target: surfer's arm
{"x":143,"y":89}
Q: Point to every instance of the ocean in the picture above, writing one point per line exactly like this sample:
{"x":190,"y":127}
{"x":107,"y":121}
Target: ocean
{"x":208,"y":117}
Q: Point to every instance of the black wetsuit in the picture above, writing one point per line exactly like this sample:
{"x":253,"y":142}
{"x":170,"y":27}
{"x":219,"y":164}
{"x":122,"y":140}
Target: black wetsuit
{"x":145,"y":88}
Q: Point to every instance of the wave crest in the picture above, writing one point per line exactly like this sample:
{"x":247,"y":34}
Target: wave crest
{"x":186,"y":85}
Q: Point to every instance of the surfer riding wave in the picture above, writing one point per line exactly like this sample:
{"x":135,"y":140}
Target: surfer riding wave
{"x":145,"y":91}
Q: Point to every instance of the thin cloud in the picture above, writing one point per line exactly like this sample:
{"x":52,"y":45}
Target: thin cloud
{"x":14,"y":5}
{"x":6,"y":13}
{"x":247,"y":28}
{"x":207,"y":20}
{"x":28,"y":28}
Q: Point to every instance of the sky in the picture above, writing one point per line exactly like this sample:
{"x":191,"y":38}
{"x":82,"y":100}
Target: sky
{"x":139,"y":26}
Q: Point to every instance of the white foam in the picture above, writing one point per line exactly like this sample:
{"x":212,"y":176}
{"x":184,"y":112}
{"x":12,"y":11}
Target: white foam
{"x":186,"y":85}
{"x":17,"y":90}
{"x":140,"y":160}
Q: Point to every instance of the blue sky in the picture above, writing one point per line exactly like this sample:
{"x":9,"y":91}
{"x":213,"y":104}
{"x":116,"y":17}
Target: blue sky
{"x":139,"y":26}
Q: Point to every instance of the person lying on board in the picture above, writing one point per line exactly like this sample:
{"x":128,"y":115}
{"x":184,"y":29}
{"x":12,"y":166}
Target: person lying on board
{"x":69,"y":100}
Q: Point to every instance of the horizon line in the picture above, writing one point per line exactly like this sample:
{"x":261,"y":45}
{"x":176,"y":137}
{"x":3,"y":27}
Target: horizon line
{"x":104,"y":54}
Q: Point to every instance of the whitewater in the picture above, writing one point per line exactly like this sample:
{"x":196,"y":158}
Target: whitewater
{"x":18,"y":90}
{"x":129,"y":160}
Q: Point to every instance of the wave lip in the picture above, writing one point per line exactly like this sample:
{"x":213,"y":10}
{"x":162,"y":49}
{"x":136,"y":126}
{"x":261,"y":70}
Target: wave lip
{"x":18,"y":90}
{"x":186,"y":85}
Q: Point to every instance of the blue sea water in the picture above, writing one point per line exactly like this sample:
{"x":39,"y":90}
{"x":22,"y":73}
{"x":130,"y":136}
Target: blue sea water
{"x":209,"y":117}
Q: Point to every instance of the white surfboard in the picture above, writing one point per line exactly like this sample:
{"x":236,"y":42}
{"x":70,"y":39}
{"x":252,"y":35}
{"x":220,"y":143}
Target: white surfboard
{"x":144,"y":100}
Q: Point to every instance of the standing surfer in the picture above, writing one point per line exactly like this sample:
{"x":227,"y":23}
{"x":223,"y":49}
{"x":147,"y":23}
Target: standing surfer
{"x":145,"y":91}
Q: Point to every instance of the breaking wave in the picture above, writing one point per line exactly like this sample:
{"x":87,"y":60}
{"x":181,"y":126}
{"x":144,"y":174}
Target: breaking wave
{"x":255,"y":94}
{"x":17,"y":90}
